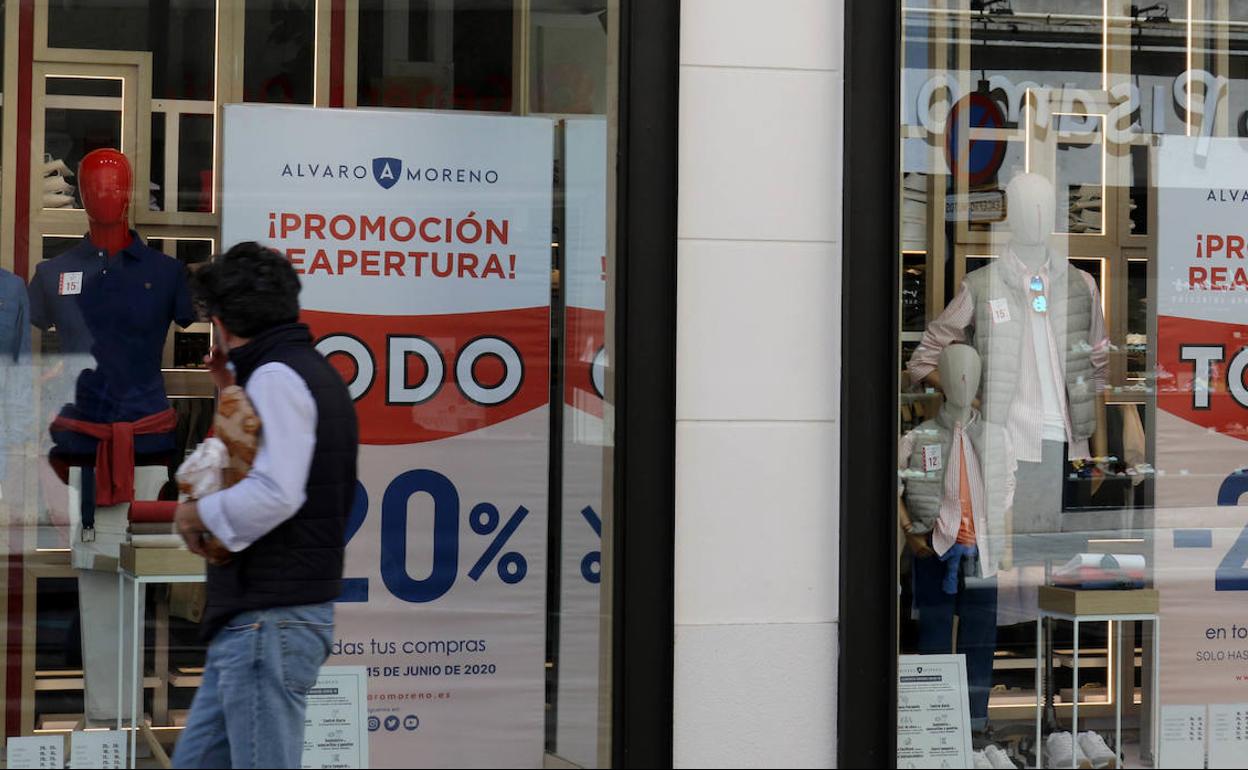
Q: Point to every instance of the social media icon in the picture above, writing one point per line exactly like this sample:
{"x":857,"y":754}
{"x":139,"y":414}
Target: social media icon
{"x":374,"y":724}
{"x":411,"y":722}
{"x":392,"y":723}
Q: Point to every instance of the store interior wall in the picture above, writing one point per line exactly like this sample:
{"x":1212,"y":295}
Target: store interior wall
{"x":758,"y":383}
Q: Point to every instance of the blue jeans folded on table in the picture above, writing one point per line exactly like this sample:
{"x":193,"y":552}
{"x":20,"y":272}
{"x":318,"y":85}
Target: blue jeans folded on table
{"x":249,"y":711}
{"x":974,"y":601}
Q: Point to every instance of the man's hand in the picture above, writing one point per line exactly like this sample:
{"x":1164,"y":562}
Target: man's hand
{"x":197,"y":536}
{"x":217,"y":361}
{"x":186,"y":520}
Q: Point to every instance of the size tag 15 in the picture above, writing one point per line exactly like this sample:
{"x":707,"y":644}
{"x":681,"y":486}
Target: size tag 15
{"x":1000,"y":310}
{"x":71,"y":283}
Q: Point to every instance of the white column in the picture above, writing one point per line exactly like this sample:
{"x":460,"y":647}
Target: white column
{"x":758,"y":393}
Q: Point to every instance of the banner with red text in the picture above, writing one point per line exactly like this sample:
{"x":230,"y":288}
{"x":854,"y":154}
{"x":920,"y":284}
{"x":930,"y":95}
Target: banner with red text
{"x":423,"y":242}
{"x":1201,"y":530}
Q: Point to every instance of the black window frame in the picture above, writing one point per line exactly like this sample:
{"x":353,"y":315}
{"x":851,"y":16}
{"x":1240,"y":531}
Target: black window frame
{"x":867,"y":632}
{"x":644,"y":403}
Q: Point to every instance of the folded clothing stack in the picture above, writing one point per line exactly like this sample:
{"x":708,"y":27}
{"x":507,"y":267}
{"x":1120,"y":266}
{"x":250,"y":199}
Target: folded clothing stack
{"x":58,"y":193}
{"x":914,"y":211}
{"x":151,"y":524}
{"x":1087,"y":209}
{"x":1102,"y":570}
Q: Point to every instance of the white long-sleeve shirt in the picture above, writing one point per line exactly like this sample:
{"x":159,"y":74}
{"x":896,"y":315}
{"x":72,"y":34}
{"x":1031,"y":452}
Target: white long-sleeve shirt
{"x":1041,"y":410}
{"x":276,"y":487}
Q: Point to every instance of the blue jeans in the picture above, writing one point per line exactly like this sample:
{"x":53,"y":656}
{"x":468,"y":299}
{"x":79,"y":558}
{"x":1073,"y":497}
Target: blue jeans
{"x":975,"y":604}
{"x":249,"y":711}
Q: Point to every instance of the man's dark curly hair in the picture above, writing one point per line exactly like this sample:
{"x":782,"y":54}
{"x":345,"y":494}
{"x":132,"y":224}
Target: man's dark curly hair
{"x":251,"y":288}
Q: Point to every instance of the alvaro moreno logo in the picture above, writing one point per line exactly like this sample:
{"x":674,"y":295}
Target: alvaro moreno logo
{"x":387,"y":171}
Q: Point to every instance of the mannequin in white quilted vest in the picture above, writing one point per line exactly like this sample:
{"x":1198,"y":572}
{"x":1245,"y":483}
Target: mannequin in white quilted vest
{"x":1037,"y":323}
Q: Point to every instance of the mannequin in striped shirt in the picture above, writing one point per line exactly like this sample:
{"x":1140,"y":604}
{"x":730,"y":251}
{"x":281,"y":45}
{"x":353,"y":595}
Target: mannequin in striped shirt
{"x":1037,"y":323}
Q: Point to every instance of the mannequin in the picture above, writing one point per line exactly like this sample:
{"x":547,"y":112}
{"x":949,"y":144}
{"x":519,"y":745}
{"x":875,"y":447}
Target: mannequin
{"x":111,"y":299}
{"x":1030,"y":217}
{"x":955,"y":512}
{"x":14,"y":370}
{"x":1038,"y":326}
{"x":106,"y":181}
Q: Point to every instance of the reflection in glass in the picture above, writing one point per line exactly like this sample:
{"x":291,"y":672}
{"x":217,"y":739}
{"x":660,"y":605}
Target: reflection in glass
{"x":183,"y":56}
{"x":1137,"y":318}
{"x":436,"y":54}
{"x":279,"y":51}
{"x":569,"y":73}
{"x":195,"y":142}
{"x":81,"y":115}
{"x":1080,"y":181}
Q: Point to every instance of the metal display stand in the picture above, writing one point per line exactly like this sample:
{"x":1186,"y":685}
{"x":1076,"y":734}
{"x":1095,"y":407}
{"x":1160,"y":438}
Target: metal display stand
{"x":137,"y":581}
{"x":1076,"y":606}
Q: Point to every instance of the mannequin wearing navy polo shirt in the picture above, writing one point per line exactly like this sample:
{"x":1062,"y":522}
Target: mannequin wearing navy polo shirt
{"x":113,"y":298}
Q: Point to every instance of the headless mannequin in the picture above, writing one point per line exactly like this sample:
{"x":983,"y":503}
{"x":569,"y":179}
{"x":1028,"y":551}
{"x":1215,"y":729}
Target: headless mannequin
{"x":960,"y":370}
{"x":975,"y":603}
{"x":105,"y":182}
{"x":1030,"y":218}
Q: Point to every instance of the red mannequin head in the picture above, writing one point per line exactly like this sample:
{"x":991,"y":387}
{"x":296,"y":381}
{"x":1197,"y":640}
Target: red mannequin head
{"x":105,"y":182}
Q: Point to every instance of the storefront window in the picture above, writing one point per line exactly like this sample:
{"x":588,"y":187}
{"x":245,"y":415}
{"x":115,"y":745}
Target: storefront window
{"x":453,"y":256}
{"x":1071,"y":413}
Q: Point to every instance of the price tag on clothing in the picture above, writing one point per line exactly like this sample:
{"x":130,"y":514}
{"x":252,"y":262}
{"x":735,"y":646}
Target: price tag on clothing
{"x":931,"y":458}
{"x":36,"y":751}
{"x":1000,"y":310}
{"x":71,"y":283}
{"x":97,"y":749}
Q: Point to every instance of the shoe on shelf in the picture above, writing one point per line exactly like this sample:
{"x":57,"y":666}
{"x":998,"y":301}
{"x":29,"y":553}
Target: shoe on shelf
{"x":1058,"y":748}
{"x":980,"y":761}
{"x":1097,"y":750}
{"x":998,"y":758}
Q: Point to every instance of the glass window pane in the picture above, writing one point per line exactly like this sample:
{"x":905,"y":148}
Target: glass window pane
{"x":569,"y":57}
{"x":437,"y":54}
{"x":195,"y":142}
{"x":173,"y":30}
{"x":1033,"y":375}
{"x":279,"y":51}
{"x":81,"y":115}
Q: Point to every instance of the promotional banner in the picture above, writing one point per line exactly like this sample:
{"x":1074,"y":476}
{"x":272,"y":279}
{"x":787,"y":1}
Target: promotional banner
{"x":1201,"y":529}
{"x":423,"y":242}
{"x":584,"y":435}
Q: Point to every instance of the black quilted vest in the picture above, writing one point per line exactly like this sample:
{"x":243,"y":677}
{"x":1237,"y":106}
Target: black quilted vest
{"x":299,"y":562}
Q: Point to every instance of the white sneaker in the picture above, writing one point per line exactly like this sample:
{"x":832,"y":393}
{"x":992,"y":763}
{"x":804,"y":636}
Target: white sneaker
{"x":998,"y":758}
{"x":1097,"y":750}
{"x":1057,"y":752}
{"x":980,"y":761}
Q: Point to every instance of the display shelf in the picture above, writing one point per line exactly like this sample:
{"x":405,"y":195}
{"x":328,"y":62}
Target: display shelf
{"x":187,"y":677}
{"x":66,"y":681}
